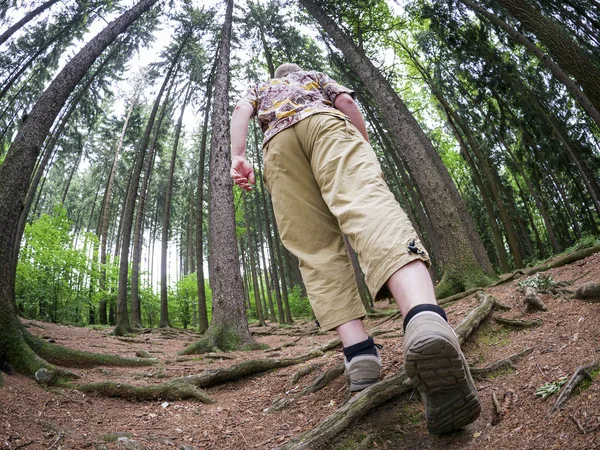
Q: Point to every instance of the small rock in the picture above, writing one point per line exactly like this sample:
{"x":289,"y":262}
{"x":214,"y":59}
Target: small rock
{"x":43,"y":376}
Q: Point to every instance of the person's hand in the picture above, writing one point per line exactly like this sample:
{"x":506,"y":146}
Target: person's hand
{"x":242,"y":172}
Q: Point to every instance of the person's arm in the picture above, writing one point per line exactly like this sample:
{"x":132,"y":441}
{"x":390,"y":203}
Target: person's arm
{"x":241,"y":170}
{"x":345,"y":103}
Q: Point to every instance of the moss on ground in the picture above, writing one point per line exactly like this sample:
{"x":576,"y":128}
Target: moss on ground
{"x":68,"y":357}
{"x":454,"y":282}
{"x":220,"y":339}
{"x":585,"y":384}
{"x":165,"y":391}
{"x":492,"y":336}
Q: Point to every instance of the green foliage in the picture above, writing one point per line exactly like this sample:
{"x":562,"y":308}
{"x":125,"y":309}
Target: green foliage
{"x":299,"y":305}
{"x":52,"y":271}
{"x":584,"y":242}
{"x":550,"y":388}
{"x":540,"y":282}
{"x":183,"y":299}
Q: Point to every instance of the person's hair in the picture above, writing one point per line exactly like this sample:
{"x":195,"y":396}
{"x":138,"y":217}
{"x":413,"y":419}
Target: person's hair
{"x":286,"y":69}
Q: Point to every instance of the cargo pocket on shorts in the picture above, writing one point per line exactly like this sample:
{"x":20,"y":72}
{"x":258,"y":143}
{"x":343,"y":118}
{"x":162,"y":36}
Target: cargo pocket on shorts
{"x":267,"y":177}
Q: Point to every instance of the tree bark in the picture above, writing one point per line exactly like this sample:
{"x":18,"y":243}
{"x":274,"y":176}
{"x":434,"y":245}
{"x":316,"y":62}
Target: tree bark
{"x":586,"y":97}
{"x":252,"y":254}
{"x":202,"y":311}
{"x":123,"y":324}
{"x":164,"y":305}
{"x":105,"y":210}
{"x":16,"y":171}
{"x":229,"y":327}
{"x":270,"y":243}
{"x":27,"y":18}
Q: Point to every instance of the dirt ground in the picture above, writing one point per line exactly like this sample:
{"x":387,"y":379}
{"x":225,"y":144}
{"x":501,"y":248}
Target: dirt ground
{"x":34,"y":417}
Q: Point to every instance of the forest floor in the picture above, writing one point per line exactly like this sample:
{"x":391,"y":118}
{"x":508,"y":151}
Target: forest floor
{"x":33,"y":417}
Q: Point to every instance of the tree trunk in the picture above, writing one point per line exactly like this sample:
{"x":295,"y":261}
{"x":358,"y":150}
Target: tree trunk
{"x":16,"y":171}
{"x":566,"y":50}
{"x":257,"y":196}
{"x":105,"y":210}
{"x":229,"y":326}
{"x":586,"y":97}
{"x":274,"y":275}
{"x":461,"y":248}
{"x":28,"y":17}
{"x":164,"y":305}
{"x":252,"y":255}
{"x":123,"y":325}
{"x":202,"y":310}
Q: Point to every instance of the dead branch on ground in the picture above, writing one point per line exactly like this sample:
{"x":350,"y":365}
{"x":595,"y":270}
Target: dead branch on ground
{"x":581,"y":374}
{"x":507,"y":363}
{"x":361,"y":404}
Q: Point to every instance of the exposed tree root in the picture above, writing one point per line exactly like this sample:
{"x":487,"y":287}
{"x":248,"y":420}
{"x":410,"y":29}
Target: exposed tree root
{"x":281,"y":347}
{"x":143,"y":354}
{"x":500,"y":408}
{"x":561,"y":260}
{"x":581,"y":374}
{"x":555,"y":261}
{"x":68,"y":357}
{"x":366,"y":443}
{"x":517,"y":323}
{"x":361,"y":404}
{"x":510,"y":277}
{"x":459,"y":296}
{"x":394,"y":316}
{"x":129,"y":340}
{"x":220,"y":340}
{"x":233,"y":373}
{"x":164,"y":391}
{"x":589,"y":291}
{"x":319,"y":383}
{"x":500,"y":365}
{"x":533,"y":302}
{"x":305,"y":371}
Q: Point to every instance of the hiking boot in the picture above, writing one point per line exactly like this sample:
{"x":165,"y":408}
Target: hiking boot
{"x":437,"y":367}
{"x":363,"y":371}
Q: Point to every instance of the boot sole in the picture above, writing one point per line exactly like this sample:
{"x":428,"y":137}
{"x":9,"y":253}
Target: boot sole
{"x":439,"y":371}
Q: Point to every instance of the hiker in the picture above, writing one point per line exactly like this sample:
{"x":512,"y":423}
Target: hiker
{"x":325,"y":181}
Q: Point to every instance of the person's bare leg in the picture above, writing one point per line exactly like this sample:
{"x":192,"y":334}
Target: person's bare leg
{"x":434,"y":361}
{"x":352,"y":332}
{"x":411,"y":286}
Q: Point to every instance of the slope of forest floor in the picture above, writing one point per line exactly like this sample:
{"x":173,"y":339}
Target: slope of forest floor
{"x":33,"y":417}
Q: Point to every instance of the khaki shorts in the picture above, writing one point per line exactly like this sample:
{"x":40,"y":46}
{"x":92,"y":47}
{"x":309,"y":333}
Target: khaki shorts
{"x":325,"y":180}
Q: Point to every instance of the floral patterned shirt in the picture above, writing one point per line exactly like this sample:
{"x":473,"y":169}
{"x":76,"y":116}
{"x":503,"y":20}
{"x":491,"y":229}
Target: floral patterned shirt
{"x":283,"y":102}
